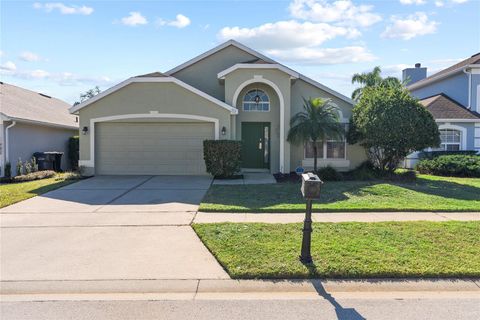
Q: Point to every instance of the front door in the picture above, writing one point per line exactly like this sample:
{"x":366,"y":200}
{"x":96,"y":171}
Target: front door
{"x":256,"y":145}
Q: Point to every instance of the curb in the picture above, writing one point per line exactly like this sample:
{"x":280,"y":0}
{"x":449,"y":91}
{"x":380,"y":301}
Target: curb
{"x":195,"y":286}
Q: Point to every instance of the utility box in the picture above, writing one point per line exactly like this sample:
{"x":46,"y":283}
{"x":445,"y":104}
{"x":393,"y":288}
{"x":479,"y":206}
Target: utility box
{"x":311,"y":186}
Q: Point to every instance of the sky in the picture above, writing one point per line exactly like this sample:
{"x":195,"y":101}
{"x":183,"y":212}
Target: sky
{"x":65,"y":48}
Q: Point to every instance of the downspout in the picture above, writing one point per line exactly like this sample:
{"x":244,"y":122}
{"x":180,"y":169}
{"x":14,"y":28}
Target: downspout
{"x":7,"y":152}
{"x":469,"y":87}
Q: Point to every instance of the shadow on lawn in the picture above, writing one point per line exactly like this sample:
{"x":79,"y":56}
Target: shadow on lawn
{"x":445,"y":189}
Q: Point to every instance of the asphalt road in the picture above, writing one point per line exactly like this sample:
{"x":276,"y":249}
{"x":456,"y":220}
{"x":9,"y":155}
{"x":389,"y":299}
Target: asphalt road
{"x":438,"y":308}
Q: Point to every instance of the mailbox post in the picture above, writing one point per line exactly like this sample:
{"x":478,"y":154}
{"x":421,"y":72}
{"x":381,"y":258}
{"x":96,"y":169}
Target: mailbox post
{"x":311,"y":185}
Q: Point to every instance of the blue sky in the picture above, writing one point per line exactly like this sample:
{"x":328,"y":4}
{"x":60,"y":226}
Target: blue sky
{"x":65,"y":48}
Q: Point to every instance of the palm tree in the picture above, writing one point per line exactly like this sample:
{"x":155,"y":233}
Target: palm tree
{"x":319,"y":120}
{"x":372,"y":79}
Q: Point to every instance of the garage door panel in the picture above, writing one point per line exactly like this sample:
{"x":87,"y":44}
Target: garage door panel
{"x":151,"y":148}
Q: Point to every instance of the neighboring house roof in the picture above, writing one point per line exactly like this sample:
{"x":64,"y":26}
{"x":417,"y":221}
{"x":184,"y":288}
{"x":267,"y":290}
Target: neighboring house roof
{"x":458,"y":67}
{"x":153,"y":78}
{"x":442,"y":106}
{"x":264,"y":60}
{"x":19,"y":104}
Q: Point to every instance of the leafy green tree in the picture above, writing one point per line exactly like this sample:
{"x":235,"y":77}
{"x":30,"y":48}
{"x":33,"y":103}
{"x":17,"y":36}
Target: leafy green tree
{"x":88,"y":94}
{"x":319,"y":120}
{"x":391,"y":124}
{"x":372,"y":79}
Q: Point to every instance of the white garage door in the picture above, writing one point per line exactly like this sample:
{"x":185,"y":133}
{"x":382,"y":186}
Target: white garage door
{"x":151,"y":148}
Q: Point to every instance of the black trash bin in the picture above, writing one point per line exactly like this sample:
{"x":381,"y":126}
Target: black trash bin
{"x":49,"y":160}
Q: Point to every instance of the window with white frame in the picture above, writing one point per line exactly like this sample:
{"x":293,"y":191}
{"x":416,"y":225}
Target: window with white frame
{"x":256,"y":100}
{"x":450,"y":139}
{"x":329,"y":149}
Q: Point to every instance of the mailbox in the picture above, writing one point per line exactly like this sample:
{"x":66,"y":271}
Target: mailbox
{"x":311,"y":185}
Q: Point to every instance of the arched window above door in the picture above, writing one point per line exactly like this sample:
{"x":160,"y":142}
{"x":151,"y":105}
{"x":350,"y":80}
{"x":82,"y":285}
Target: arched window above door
{"x":256,"y":100}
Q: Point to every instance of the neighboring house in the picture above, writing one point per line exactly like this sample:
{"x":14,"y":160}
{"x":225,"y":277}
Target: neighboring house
{"x":31,"y":122}
{"x":156,"y":123}
{"x":453,"y":97}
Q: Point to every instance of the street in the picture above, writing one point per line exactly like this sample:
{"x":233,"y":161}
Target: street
{"x":438,"y":307}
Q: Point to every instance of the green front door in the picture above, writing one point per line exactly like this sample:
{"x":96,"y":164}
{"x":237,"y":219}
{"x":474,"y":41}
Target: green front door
{"x":256,"y":145}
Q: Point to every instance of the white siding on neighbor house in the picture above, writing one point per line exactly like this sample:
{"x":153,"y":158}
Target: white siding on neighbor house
{"x":151,"y":148}
{"x":477,"y":137}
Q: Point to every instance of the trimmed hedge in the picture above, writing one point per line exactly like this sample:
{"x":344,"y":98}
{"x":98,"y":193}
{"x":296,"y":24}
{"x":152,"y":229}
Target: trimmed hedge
{"x":435,"y":154}
{"x":34,"y":176}
{"x":74,"y":151}
{"x":452,"y":165}
{"x":222,"y":157}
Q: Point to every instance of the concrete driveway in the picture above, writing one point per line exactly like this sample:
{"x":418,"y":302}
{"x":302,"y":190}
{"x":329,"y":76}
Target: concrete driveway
{"x":108,"y":227}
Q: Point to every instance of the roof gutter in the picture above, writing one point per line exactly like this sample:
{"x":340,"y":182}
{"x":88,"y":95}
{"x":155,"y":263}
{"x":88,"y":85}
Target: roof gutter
{"x":7,"y":147}
{"x":469,"y":106}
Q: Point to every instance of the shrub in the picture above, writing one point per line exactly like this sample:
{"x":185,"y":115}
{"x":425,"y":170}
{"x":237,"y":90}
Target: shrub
{"x":451,"y":165}
{"x":34,"y":176}
{"x":329,"y":174}
{"x":434,"y":154}
{"x":34,"y":164}
{"x":222,"y":157}
{"x":73,"y":152}
{"x":69,"y":176}
{"x":367,"y":171}
{"x":28,"y":167}
{"x":8,"y":170}
{"x":19,"y":167}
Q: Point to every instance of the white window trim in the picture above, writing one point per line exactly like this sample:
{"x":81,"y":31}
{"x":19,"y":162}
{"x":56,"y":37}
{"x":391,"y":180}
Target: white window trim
{"x":243,"y":101}
{"x":463,"y":133}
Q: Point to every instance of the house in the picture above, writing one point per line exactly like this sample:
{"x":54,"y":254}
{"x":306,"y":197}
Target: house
{"x":32,"y":122}
{"x":156,"y":123}
{"x":452,"y":96}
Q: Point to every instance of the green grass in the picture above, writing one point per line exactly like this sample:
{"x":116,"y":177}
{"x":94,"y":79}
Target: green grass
{"x":11,"y":193}
{"x":347,"y":250}
{"x":427,"y":193}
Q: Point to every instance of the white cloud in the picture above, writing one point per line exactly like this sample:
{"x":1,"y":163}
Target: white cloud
{"x":1,"y":53}
{"x":342,"y":12}
{"x":135,"y":18}
{"x":63,"y":9}
{"x":441,"y":3}
{"x":286,"y":34}
{"x":30,"y":56}
{"x":8,"y":66}
{"x":318,"y":56}
{"x":416,"y":2}
{"x":412,"y":26}
{"x":180,"y":21}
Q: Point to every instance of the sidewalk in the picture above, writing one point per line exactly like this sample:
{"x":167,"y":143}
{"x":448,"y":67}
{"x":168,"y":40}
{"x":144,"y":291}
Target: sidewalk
{"x":218,"y":217}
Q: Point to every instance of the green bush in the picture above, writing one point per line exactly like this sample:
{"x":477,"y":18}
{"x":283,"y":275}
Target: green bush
{"x":435,"y":154}
{"x":367,"y":171}
{"x":34,"y":176}
{"x":452,"y":165}
{"x":73,"y":151}
{"x":329,"y":174}
{"x":8,"y":170}
{"x":222,"y":157}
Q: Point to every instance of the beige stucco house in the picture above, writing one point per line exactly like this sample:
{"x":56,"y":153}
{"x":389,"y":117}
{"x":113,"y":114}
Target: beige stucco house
{"x":156,"y":123}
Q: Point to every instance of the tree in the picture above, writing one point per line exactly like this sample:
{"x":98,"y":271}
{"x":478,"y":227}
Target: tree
{"x":391,"y":124}
{"x":372,"y":79}
{"x":319,"y":120}
{"x":88,"y":94}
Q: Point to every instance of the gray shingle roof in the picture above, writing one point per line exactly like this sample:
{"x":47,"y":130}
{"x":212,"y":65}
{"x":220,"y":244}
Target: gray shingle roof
{"x":22,"y":104}
{"x":443,"y":107}
{"x":475,"y":59}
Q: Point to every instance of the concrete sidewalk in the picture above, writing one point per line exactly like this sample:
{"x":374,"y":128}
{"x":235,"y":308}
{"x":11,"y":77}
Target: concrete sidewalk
{"x":217,"y":217}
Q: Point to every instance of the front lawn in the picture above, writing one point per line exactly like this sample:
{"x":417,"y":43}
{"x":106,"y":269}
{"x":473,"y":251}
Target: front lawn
{"x":427,"y":193}
{"x":11,"y":193}
{"x":347,"y":250}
